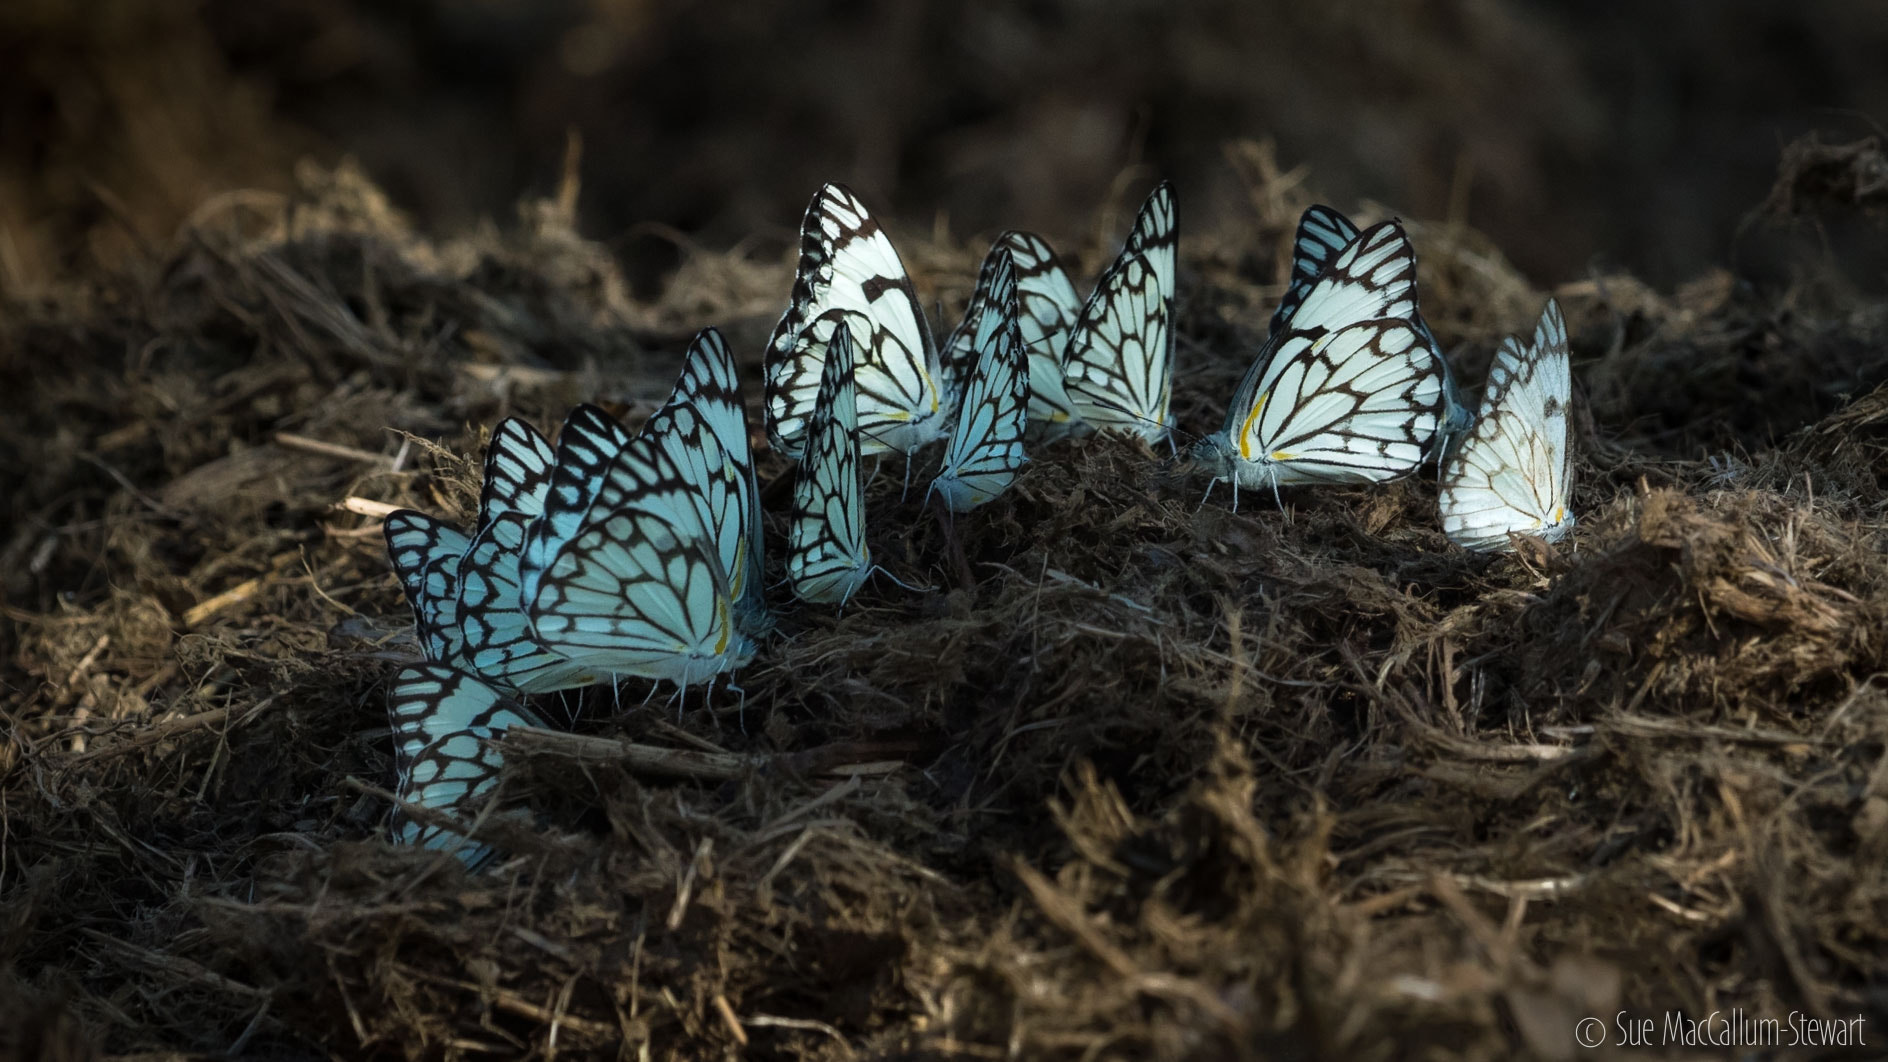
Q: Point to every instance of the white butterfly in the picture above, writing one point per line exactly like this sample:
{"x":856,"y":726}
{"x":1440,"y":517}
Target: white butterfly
{"x":443,"y":723}
{"x":986,"y":444}
{"x":1323,"y":233}
{"x":426,"y":552}
{"x":827,"y":558}
{"x":1348,"y":392}
{"x":1512,"y":472}
{"x":639,"y":587}
{"x":1047,"y":307}
{"x":703,"y":426}
{"x":848,"y":263}
{"x":1118,"y":365}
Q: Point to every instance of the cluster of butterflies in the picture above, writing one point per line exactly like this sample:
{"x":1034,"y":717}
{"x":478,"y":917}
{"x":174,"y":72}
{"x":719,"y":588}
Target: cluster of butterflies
{"x":616,"y":554}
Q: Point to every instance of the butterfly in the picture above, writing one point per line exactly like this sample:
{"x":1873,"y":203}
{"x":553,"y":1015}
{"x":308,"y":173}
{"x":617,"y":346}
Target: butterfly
{"x":1512,"y":472}
{"x":1047,"y":307}
{"x":1323,"y":233}
{"x":1348,"y":391}
{"x":426,"y":553}
{"x":848,"y":263}
{"x":986,"y":444}
{"x":638,"y":587}
{"x":1118,"y":365}
{"x":443,"y":722}
{"x":703,"y":427}
{"x":827,"y":558}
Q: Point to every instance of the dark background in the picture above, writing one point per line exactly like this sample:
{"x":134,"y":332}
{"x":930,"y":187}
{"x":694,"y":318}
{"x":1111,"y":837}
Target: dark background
{"x":1579,"y":134}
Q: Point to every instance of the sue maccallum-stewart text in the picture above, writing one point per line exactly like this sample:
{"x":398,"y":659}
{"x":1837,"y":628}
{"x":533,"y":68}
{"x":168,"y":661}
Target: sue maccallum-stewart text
{"x":1734,"y":1028}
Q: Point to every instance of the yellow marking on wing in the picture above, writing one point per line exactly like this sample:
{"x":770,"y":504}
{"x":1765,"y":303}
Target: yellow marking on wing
{"x":1245,"y":430}
{"x":1281,"y":455}
{"x":727,"y":628}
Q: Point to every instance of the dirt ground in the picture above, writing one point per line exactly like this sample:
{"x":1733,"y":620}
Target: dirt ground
{"x":1166,"y":782}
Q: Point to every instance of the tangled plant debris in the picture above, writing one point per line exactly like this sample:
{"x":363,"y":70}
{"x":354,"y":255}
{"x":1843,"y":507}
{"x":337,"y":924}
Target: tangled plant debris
{"x":1165,"y":781}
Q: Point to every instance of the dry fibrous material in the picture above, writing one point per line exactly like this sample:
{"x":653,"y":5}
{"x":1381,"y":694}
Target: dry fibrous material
{"x":1165,"y":781}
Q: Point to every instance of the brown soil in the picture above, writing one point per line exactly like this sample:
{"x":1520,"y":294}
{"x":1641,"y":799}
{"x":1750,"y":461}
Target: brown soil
{"x":1166,"y":782}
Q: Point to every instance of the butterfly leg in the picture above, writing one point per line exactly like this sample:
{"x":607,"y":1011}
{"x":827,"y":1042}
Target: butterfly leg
{"x":954,"y":546}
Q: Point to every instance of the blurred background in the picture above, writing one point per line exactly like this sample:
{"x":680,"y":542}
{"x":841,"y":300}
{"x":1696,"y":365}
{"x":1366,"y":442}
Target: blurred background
{"x":1578,"y":134}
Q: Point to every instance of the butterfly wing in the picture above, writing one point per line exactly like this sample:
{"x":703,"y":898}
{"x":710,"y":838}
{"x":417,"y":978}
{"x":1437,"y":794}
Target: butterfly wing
{"x":703,"y":427}
{"x":1118,"y":366}
{"x":1047,"y":307}
{"x":443,"y":721}
{"x":1357,"y":405}
{"x":1513,"y":470}
{"x":827,"y":558}
{"x":639,"y":589}
{"x":425,"y":552}
{"x":847,"y":262}
{"x":986,"y":444}
{"x":499,"y":644}
{"x":589,"y":440}
{"x":518,"y":467}
{"x":1323,"y":233}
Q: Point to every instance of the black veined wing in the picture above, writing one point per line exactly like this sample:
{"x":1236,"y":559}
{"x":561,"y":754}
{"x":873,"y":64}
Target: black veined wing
{"x":499,"y":644}
{"x":848,"y":263}
{"x":827,"y":558}
{"x":1323,"y":233}
{"x":425,"y":552}
{"x":1349,"y":392}
{"x":1047,"y":307}
{"x":1513,"y":470}
{"x":518,"y":468}
{"x":703,"y":426}
{"x":639,"y":588}
{"x":1118,"y":366}
{"x":589,"y":440}
{"x":986,"y":443}
{"x":443,"y":723}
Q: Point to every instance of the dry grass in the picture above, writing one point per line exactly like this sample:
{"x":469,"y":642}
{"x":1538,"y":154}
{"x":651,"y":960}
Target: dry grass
{"x":1166,"y":781}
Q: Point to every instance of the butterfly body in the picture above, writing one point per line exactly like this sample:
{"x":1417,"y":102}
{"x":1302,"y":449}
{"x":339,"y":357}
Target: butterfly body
{"x":1513,"y":470}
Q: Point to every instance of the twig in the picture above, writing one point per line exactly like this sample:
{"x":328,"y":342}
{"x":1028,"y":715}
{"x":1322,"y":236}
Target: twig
{"x":733,"y":1023}
{"x":845,"y":758}
{"x":368,"y":507}
{"x":291,"y":441}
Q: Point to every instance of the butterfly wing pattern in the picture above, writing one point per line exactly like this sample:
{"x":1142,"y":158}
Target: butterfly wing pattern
{"x":1047,"y":307}
{"x":518,"y":469}
{"x":986,"y":444}
{"x":1118,"y":366}
{"x":443,"y":722}
{"x":589,"y":440}
{"x":1349,"y":391}
{"x":1512,"y":472}
{"x":703,"y":427}
{"x":827,"y":558}
{"x":639,"y":588}
{"x":847,"y":262}
{"x":426,"y":553}
{"x":1323,"y":233}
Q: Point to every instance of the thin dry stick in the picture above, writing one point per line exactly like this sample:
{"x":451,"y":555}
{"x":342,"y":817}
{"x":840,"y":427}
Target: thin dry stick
{"x":291,"y":441}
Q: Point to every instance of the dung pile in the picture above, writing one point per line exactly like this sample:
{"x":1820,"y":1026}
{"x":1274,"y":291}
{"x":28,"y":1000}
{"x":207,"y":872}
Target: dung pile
{"x":1164,"y":781}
